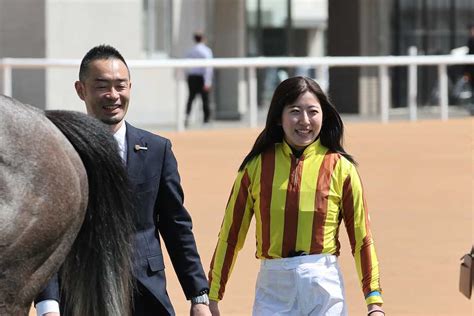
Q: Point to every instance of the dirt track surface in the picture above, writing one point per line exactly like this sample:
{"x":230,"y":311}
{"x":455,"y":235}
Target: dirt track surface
{"x":419,"y":184}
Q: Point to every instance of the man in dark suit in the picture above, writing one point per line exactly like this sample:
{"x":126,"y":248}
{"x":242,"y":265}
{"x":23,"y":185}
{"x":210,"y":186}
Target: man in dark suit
{"x":104,"y":86}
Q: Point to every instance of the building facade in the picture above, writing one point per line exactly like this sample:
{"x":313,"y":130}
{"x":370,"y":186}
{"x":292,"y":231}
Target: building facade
{"x":161,"y":29}
{"x":391,"y":27}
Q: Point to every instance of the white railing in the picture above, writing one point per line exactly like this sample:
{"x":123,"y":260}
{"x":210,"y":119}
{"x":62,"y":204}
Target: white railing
{"x":383,"y":63}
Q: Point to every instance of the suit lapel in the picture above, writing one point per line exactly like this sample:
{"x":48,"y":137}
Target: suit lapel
{"x":135,"y":158}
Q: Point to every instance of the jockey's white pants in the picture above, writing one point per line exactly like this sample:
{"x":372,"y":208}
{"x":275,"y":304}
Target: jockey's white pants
{"x":303,"y":285}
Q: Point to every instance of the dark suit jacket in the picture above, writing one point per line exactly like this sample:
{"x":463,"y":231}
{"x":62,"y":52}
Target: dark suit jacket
{"x":158,"y":195}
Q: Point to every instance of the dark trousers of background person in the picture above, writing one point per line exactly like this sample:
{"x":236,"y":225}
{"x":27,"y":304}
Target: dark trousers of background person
{"x":145,"y":304}
{"x":196,"y":86}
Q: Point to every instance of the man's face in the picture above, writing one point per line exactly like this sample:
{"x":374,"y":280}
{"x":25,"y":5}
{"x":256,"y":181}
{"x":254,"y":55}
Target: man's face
{"x":106,"y":91}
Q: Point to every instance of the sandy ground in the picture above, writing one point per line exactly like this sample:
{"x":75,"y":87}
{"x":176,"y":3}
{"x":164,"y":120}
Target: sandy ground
{"x":419,"y":184}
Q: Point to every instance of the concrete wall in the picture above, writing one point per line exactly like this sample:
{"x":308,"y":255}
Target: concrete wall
{"x":69,"y":28}
{"x":22,"y":25}
{"x":343,"y":40}
{"x":224,"y":24}
{"x":375,"y":38}
{"x":189,"y":17}
{"x":231,"y":96}
{"x":357,"y":28}
{"x":73,"y":27}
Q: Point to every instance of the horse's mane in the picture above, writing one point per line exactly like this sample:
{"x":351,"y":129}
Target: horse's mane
{"x":96,"y":275}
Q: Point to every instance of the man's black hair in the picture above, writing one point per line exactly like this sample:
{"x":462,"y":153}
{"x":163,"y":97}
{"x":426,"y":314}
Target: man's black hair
{"x":99,"y":52}
{"x":198,"y":37}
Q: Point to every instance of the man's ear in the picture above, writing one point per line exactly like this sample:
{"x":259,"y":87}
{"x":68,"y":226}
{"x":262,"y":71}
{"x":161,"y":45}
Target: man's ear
{"x":79,"y":89}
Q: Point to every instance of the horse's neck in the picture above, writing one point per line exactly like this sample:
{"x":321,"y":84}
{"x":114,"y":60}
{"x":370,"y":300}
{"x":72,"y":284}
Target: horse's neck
{"x":9,"y":310}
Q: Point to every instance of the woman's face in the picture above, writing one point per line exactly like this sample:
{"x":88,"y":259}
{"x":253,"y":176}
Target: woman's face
{"x":302,"y":121}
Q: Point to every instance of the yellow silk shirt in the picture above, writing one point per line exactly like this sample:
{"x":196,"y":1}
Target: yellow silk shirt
{"x":298,"y":204}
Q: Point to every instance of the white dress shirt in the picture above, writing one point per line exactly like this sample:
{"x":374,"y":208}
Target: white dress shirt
{"x":47,"y":306}
{"x":122,"y":141}
{"x":200,"y":50}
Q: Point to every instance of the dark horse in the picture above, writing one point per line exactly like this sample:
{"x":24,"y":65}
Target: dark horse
{"x":64,"y":207}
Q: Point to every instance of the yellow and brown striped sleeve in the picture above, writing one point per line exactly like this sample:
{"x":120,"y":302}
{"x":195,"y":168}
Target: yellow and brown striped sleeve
{"x":234,"y":228}
{"x":357,"y":222}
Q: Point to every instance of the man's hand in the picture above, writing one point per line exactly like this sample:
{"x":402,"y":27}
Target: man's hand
{"x":200,"y":310}
{"x":51,"y":314}
{"x":214,"y":307}
{"x":207,"y":88}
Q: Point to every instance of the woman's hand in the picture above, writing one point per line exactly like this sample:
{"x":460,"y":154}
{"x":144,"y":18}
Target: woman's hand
{"x":375,"y":310}
{"x":214,"y":307}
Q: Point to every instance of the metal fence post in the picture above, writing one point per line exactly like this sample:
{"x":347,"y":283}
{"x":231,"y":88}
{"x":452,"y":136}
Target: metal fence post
{"x":179,"y":100}
{"x":384,"y":93}
{"x":7,"y":80}
{"x":252,"y":73}
{"x":412,"y":86}
{"x":443,"y":90}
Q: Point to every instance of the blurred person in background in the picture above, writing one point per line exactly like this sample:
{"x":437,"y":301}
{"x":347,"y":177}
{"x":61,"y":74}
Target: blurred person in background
{"x":300,"y":184}
{"x":200,"y":78}
{"x":469,"y":69}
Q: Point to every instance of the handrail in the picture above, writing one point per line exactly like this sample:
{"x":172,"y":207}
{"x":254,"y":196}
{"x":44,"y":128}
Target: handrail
{"x":258,"y":62}
{"x":251,"y":63}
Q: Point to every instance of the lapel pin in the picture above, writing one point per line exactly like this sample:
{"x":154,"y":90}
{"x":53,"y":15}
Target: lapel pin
{"x":138,"y":147}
